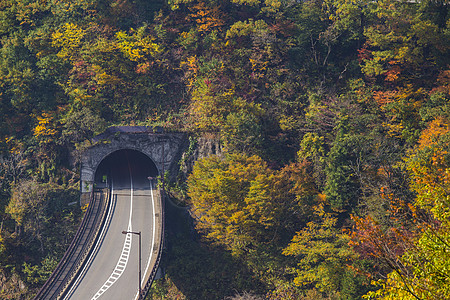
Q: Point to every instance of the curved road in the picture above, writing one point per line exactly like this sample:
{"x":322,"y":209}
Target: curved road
{"x":112,"y":270}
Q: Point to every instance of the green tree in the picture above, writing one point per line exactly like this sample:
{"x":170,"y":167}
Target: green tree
{"x":81,"y":126}
{"x":324,"y":259}
{"x":34,"y":206}
{"x":27,"y":208}
{"x":38,"y":275}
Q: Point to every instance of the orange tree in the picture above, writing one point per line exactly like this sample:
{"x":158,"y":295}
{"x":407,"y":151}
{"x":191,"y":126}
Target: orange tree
{"x":251,"y":210}
{"x":417,"y":253}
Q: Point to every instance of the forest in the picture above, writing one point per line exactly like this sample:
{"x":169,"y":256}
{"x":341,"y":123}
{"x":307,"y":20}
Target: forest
{"x":332,"y":116}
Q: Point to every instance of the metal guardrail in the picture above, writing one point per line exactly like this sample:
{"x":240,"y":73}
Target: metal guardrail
{"x":152,"y":275}
{"x":79,"y":249}
{"x":82,"y":245}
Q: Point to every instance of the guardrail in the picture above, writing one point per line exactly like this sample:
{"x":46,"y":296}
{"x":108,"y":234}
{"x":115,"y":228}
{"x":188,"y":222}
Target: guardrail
{"x":82,"y":245}
{"x":79,"y":249}
{"x":152,"y":275}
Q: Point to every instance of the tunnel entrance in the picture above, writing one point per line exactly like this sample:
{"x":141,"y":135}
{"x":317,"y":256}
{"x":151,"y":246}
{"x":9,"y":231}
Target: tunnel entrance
{"x":124,"y":169}
{"x":163,"y":149}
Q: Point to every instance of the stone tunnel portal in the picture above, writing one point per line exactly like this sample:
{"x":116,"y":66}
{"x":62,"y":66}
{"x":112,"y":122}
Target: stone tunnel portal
{"x":150,"y":153}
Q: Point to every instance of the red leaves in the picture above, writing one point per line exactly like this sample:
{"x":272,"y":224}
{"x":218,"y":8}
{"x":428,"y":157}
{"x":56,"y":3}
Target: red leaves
{"x":364,"y":54}
{"x":386,"y":238}
{"x":370,"y":239}
{"x":393,"y":73}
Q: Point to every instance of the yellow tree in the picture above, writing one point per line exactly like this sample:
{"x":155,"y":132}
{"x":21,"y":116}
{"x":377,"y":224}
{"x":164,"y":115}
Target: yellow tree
{"x":69,"y":40}
{"x":207,"y":18}
{"x":324,"y":257}
{"x":241,"y":203}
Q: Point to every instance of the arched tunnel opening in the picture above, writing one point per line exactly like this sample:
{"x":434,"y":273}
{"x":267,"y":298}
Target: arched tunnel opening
{"x":124,"y":169}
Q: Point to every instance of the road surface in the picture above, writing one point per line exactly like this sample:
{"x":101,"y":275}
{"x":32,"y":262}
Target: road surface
{"x":112,"y":270}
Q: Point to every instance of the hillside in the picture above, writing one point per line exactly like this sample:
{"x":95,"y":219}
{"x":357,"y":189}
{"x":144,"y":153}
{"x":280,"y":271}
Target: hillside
{"x":332,"y":119}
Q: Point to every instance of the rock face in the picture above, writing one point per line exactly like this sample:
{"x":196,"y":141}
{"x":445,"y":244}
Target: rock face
{"x":164,"y":149}
{"x":199,"y":148}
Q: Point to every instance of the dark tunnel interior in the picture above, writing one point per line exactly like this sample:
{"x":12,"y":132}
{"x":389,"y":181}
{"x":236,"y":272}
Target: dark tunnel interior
{"x":124,"y":169}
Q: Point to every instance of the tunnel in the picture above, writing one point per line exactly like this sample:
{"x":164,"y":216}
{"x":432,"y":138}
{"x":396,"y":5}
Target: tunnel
{"x":124,"y":169}
{"x":121,"y":160}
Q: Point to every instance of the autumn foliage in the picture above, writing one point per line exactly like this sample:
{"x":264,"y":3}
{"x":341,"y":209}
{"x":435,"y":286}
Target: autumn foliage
{"x":318,"y":158}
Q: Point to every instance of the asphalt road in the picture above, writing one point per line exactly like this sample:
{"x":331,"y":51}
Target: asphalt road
{"x":112,"y":271}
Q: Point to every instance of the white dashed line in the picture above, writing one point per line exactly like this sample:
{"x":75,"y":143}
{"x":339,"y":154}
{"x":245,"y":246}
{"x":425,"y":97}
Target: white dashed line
{"x":123,"y":260}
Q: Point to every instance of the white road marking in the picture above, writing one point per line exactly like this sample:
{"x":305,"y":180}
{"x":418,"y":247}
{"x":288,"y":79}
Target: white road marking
{"x":122,"y":263}
{"x":123,"y":260}
{"x":153,"y":241}
{"x":102,"y":234}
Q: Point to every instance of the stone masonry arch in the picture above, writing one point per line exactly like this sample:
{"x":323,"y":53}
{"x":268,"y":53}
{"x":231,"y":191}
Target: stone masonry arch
{"x":164,"y":149}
